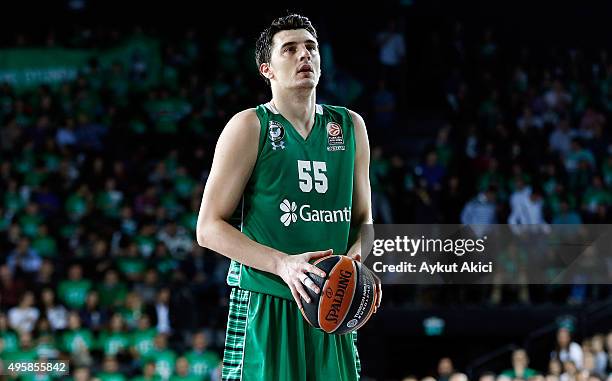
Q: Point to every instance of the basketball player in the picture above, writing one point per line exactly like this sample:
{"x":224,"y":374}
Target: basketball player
{"x":301,"y":170}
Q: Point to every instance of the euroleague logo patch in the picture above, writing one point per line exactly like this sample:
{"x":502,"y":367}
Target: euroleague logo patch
{"x":276,"y":133}
{"x":335,"y":138}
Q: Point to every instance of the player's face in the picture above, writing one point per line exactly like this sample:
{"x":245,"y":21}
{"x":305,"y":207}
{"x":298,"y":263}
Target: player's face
{"x":295,"y":60}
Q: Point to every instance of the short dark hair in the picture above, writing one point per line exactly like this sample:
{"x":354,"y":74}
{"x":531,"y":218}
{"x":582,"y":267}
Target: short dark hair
{"x":263,"y":47}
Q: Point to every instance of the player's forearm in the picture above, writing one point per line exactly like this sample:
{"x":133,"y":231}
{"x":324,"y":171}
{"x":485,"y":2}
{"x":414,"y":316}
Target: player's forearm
{"x":226,"y":240}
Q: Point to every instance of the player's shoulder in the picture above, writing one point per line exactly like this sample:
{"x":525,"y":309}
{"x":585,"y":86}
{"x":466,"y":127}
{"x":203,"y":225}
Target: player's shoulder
{"x":245,"y":123}
{"x":245,"y":118}
{"x":358,"y":121}
{"x":341,"y":111}
{"x":241,"y":130}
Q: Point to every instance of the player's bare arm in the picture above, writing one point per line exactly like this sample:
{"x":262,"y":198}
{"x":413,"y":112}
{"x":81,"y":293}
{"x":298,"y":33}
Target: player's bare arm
{"x":233,"y":163}
{"x":361,"y":212}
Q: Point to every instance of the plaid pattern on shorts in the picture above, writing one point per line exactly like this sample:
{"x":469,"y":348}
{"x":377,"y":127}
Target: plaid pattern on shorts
{"x":235,"y":335}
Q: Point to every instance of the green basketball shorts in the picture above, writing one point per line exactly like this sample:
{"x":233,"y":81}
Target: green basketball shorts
{"x":268,"y":339}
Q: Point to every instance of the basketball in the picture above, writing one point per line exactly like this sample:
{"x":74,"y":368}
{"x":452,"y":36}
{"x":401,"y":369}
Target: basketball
{"x":347,"y":296}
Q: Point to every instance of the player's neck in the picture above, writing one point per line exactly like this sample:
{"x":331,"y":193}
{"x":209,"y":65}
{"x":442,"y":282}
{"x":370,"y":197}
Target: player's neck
{"x":298,"y":108}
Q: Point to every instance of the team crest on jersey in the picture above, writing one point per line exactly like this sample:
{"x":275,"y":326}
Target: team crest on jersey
{"x":335,"y":138}
{"x":276,"y":134}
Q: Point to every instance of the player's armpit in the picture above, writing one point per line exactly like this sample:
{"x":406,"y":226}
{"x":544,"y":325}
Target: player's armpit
{"x":233,"y":162}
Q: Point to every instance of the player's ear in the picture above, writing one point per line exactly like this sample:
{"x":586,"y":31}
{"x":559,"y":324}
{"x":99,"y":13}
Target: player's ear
{"x":266,"y":70}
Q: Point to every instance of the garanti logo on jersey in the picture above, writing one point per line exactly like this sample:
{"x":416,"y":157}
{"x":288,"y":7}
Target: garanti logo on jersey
{"x":276,"y":133}
{"x":291,"y":213}
{"x":335,"y":139}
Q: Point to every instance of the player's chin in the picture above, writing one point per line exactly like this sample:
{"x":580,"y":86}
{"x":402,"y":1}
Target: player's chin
{"x":307,"y":83}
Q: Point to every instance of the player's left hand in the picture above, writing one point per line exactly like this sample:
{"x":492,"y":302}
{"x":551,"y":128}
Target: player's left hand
{"x":378,"y":286}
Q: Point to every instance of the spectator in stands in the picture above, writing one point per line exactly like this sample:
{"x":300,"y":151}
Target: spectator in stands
{"x":570,"y":372}
{"x":596,"y":195}
{"x":203,"y":363}
{"x":76,"y":340}
{"x":161,"y":311}
{"x":112,"y":290}
{"x":114,"y":340}
{"x":600,"y":356}
{"x":527,"y":208}
{"x":588,"y":361}
{"x":65,"y":136}
{"x":445,"y":369}
{"x":560,"y":140}
{"x":520,"y":369}
{"x":92,"y":314}
{"x":392,"y":53}
{"x":111,"y":370}
{"x":73,"y":291}
{"x":24,"y":258}
{"x":142,"y":338}
{"x":567,"y":350}
{"x":555,"y":367}
{"x":163,"y":357}
{"x":7,"y":335}
{"x":432,"y":171}
{"x":45,"y":244}
{"x":148,"y":373}
{"x":576,"y":154}
{"x":176,"y":239}
{"x":566,"y":215}
{"x":481,"y":210}
{"x":54,"y":312}
{"x":11,"y":287}
{"x":147,"y":289}
{"x":182,"y":371}
{"x":23,"y":317}
{"x":26,"y":350}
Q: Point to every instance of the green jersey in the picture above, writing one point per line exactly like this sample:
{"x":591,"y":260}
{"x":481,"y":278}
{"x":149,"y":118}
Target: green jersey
{"x":74,"y":292}
{"x":73,"y":341}
{"x":142,"y":341}
{"x":113,"y":342}
{"x":203,"y":364}
{"x":164,"y":362}
{"x":299,"y":196}
{"x":11,"y":342}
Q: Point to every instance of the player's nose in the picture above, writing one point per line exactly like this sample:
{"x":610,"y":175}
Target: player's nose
{"x":305,"y":53}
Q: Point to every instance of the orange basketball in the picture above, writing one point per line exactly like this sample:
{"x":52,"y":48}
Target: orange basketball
{"x":347,"y":296}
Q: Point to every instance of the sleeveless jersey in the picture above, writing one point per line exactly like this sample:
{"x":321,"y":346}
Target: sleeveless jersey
{"x":299,"y":195}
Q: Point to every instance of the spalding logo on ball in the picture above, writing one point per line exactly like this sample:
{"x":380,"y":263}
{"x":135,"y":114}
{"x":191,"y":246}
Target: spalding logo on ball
{"x":347,"y":296}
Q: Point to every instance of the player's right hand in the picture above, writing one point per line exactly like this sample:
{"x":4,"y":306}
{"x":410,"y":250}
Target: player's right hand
{"x":293,"y":269}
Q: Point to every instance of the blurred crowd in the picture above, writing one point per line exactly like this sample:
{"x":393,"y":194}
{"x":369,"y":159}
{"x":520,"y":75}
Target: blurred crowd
{"x":524,"y":140}
{"x":569,"y":361}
